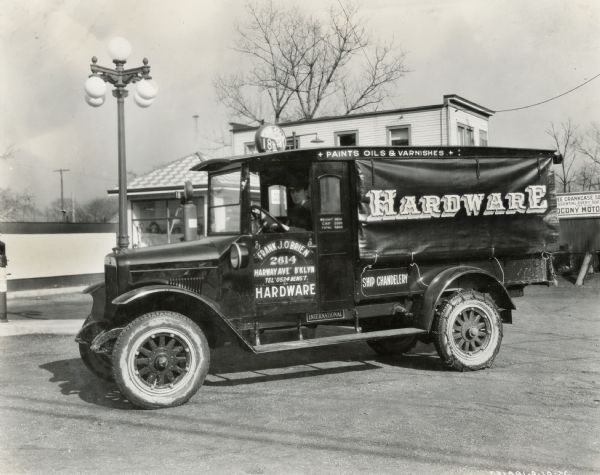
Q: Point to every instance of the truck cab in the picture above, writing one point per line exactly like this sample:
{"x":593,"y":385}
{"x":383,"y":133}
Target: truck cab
{"x":315,"y":247}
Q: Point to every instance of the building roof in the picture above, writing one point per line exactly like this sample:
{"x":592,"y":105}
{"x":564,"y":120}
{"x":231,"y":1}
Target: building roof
{"x":449,"y":99}
{"x":169,"y":177}
{"x":456,"y":100}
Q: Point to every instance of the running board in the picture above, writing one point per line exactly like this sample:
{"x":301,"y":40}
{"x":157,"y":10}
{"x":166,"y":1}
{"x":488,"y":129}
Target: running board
{"x":334,"y":340}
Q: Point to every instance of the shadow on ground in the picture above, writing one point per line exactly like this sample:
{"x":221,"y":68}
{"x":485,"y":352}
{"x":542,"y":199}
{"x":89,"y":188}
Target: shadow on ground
{"x":231,"y":366}
{"x":72,"y":377}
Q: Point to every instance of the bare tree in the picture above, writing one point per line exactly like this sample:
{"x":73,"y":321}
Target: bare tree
{"x":565,"y":141}
{"x":54,"y":211}
{"x":100,"y":210}
{"x":299,"y":63}
{"x":589,"y":144}
{"x":588,"y":177}
{"x":16,"y":206}
{"x":9,"y":152}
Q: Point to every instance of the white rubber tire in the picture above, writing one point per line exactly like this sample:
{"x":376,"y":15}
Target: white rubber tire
{"x":160,"y":360}
{"x":467,"y":331}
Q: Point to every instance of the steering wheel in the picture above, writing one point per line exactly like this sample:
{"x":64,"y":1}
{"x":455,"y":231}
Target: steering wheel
{"x":266,"y":221}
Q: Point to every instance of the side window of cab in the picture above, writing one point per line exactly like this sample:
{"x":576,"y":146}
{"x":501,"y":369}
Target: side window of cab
{"x":329,"y":191}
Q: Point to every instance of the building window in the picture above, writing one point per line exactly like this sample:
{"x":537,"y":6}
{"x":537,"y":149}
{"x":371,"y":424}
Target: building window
{"x":466,"y":135}
{"x":483,"y":142}
{"x":161,"y":221}
{"x":249,"y":147}
{"x":346,"y":139}
{"x":399,"y":136}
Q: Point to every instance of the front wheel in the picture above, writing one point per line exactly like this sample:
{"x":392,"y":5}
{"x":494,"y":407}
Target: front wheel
{"x":467,"y":331}
{"x":160,"y":360}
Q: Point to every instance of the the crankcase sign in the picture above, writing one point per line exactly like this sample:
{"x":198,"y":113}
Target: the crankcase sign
{"x":284,"y":272}
{"x":578,"y":205}
{"x":375,"y":282}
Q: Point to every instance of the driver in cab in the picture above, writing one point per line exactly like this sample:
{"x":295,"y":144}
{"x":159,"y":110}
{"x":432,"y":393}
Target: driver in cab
{"x":299,"y":214}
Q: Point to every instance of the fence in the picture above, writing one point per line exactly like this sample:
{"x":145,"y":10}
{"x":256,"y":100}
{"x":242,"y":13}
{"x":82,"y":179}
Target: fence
{"x":52,"y":255}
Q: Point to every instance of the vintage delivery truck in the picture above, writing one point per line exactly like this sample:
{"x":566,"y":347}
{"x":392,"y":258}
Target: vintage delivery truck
{"x":395,"y":244}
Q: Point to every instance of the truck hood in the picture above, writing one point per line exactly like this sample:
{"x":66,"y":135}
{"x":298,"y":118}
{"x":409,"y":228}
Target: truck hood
{"x":205,"y":249}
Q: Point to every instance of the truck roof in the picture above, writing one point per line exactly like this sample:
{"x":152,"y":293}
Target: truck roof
{"x":380,"y":152}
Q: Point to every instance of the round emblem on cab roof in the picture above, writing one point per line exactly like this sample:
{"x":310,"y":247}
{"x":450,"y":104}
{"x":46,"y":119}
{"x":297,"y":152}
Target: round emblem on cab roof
{"x":269,"y":138}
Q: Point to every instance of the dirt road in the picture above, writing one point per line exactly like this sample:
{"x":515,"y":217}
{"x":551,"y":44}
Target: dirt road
{"x":334,"y":410}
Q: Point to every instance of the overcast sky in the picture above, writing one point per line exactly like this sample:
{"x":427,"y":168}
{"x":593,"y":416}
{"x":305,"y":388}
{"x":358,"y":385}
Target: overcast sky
{"x":498,"y":53}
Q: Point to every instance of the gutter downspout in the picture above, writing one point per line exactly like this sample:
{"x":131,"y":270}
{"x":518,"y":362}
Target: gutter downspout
{"x":447,"y":104}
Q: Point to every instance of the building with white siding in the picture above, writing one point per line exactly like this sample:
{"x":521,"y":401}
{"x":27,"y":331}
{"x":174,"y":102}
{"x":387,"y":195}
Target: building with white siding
{"x":154,"y":199}
{"x":456,"y":121}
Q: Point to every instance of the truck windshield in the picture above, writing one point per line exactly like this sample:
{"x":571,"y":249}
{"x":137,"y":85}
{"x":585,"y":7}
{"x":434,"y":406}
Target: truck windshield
{"x":224,"y":203}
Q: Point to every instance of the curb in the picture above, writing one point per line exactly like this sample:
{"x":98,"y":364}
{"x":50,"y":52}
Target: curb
{"x":40,"y":327}
{"x":24,"y":294}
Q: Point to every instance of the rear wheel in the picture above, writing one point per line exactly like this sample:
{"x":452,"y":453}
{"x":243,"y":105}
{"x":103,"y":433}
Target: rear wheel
{"x":160,"y":360}
{"x":467,"y":331}
{"x":393,"y":346}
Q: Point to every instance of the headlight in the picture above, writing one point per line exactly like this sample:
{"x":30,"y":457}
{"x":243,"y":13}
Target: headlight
{"x":110,"y":260}
{"x":238,"y":256}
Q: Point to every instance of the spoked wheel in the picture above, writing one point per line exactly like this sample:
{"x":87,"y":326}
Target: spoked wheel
{"x":468,"y":331}
{"x":160,"y":360}
{"x":393,"y":346}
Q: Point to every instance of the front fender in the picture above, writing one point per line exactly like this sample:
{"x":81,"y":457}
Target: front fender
{"x":94,"y":323}
{"x":467,"y":277}
{"x":141,"y":292}
{"x":213,"y":314}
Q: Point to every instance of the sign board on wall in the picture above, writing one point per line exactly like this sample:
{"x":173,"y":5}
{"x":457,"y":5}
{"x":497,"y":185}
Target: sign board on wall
{"x":578,"y":205}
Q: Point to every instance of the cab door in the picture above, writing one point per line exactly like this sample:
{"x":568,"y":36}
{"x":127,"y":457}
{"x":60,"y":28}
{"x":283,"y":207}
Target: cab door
{"x":333,"y":235}
{"x":284,"y":275}
{"x":284,"y":265}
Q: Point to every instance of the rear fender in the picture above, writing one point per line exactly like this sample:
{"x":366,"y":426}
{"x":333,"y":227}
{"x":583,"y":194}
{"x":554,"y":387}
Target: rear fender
{"x":464,"y":277}
{"x":203,"y":311}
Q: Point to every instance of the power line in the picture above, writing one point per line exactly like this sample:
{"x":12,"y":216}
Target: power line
{"x":551,"y":99}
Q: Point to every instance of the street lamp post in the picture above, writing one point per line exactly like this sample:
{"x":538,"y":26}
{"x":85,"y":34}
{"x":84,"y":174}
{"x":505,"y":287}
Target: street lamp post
{"x":146,"y":91}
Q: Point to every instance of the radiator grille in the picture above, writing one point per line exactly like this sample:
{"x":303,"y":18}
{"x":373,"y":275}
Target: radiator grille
{"x":111,"y":282}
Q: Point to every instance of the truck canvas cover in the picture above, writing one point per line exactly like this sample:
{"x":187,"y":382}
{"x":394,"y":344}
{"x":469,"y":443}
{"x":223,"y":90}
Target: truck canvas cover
{"x":438,"y":208}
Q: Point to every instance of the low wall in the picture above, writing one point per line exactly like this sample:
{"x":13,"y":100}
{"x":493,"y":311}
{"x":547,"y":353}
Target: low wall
{"x":52,"y":255}
{"x":580,"y":234}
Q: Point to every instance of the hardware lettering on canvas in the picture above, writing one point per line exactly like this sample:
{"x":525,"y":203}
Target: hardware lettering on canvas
{"x":386,"y":205}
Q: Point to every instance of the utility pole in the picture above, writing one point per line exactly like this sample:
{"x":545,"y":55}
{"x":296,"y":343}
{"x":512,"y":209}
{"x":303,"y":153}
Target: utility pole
{"x":62,"y":196}
{"x":196,"y":131}
{"x":72,"y":207}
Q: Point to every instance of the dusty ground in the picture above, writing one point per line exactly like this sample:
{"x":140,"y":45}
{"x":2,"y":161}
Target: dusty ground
{"x":332,"y":410}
